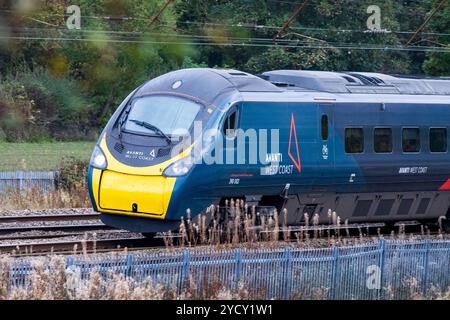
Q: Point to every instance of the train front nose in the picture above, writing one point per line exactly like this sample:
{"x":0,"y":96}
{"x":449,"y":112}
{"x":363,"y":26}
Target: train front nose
{"x":137,"y":203}
{"x":128,"y":193}
{"x":135,"y":198}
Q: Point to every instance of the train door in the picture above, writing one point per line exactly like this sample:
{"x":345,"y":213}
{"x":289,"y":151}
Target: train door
{"x":257,"y":144}
{"x":325,"y":161}
{"x":228,"y":171}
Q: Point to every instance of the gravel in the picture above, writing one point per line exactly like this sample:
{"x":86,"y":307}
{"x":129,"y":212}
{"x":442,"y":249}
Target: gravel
{"x":34,"y":212}
{"x":42,"y":233}
{"x":89,"y":236}
{"x":38,"y":236}
{"x":49,"y":223}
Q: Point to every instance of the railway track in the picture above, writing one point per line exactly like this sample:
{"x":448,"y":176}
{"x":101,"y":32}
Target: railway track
{"x":49,"y":217}
{"x":68,"y":246}
{"x":34,"y":234}
{"x":56,"y":227}
{"x":12,"y":224}
{"x":62,"y":233}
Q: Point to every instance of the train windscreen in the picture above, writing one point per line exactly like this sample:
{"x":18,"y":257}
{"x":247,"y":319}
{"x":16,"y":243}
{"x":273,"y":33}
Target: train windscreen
{"x":167,"y":115}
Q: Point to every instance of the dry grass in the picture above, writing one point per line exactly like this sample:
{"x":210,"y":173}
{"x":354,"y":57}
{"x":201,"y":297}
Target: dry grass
{"x":51,"y":280}
{"x":236,"y":223}
{"x":36,"y":198}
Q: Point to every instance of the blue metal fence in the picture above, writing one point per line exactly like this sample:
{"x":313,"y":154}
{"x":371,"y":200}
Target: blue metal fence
{"x":26,"y":180}
{"x":379,"y":270}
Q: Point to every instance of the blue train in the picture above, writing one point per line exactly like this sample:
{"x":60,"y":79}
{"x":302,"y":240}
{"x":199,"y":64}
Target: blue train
{"x":372,"y":147}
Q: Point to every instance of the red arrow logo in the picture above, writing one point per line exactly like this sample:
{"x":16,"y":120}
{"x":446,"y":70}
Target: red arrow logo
{"x":294,"y":131}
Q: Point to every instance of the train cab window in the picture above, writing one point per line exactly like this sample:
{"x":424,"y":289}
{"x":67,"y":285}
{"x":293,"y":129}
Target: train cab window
{"x":354,"y":140}
{"x":382,"y":140}
{"x":170,"y":114}
{"x":411,"y":140}
{"x":230,"y":124}
{"x":324,"y":127}
{"x":438,"y":139}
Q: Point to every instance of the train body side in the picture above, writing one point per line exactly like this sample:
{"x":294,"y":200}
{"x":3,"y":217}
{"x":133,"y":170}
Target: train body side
{"x":368,"y":185}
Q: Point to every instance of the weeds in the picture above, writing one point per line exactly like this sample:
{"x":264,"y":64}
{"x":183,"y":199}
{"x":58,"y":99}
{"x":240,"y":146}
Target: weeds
{"x":36,"y":198}
{"x":4,"y":276}
{"x":237,"y":223}
{"x":50,"y":279}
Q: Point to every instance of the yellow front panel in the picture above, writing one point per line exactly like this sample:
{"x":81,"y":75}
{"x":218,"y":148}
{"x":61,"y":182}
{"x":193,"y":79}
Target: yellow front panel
{"x":154,"y":170}
{"x":96,"y":175}
{"x":119,"y":191}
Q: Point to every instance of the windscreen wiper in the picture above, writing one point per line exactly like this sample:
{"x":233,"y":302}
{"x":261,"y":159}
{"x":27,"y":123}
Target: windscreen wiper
{"x":153,"y":128}
{"x":122,"y":121}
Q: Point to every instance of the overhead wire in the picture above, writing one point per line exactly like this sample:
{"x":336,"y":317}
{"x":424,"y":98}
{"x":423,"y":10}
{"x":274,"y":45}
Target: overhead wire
{"x":231,"y":44}
{"x":33,"y":33}
{"x":241,"y":25}
{"x":198,"y":39}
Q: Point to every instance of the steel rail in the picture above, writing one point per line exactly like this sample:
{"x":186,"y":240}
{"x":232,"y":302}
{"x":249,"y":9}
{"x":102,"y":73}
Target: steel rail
{"x":49,"y":217}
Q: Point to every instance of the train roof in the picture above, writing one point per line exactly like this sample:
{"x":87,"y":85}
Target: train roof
{"x":210,"y":86}
{"x":213,"y":85}
{"x":356,"y":82}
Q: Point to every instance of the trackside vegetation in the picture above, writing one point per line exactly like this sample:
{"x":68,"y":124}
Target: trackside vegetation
{"x":61,"y":84}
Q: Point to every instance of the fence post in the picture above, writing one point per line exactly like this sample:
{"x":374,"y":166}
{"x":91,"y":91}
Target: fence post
{"x":185,"y":269}
{"x":19,"y":176}
{"x":382,"y":246}
{"x":335,"y":272}
{"x":129,"y":264}
{"x":69,"y":262}
{"x":425,"y":267}
{"x":237,"y":266}
{"x":287,"y":274}
{"x":69,"y":267}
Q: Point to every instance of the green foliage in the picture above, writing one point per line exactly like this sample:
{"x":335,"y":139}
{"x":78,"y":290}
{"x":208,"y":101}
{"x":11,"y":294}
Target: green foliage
{"x":337,"y":24}
{"x":68,"y":88}
{"x":72,"y":173}
{"x":36,"y":105}
{"x":188,"y":63}
{"x":439,"y":63}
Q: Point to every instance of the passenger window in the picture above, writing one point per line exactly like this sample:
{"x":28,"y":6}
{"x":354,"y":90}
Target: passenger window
{"x":229,"y":127}
{"x":411,"y":140}
{"x":382,"y":140}
{"x":324,"y":127}
{"x":438,"y":139}
{"x":354,"y":140}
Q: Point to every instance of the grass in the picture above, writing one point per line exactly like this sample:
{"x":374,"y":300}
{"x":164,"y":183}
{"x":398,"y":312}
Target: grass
{"x":236,"y":223}
{"x":36,"y":199}
{"x":50,"y":279}
{"x":41,"y":156}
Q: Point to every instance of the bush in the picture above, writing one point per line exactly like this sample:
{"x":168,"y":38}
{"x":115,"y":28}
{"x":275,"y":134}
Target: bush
{"x":38,"y":106}
{"x":18,"y":113}
{"x":72,"y":174}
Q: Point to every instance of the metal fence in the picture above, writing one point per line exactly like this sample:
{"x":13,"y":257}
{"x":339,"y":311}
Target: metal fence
{"x":379,"y":270}
{"x":26,"y":180}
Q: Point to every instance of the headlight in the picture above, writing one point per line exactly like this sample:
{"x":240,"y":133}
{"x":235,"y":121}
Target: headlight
{"x":179,"y":168}
{"x":98,"y":159}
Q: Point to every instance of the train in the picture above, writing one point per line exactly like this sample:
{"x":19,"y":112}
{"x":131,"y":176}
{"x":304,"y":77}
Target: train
{"x":371,"y":147}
